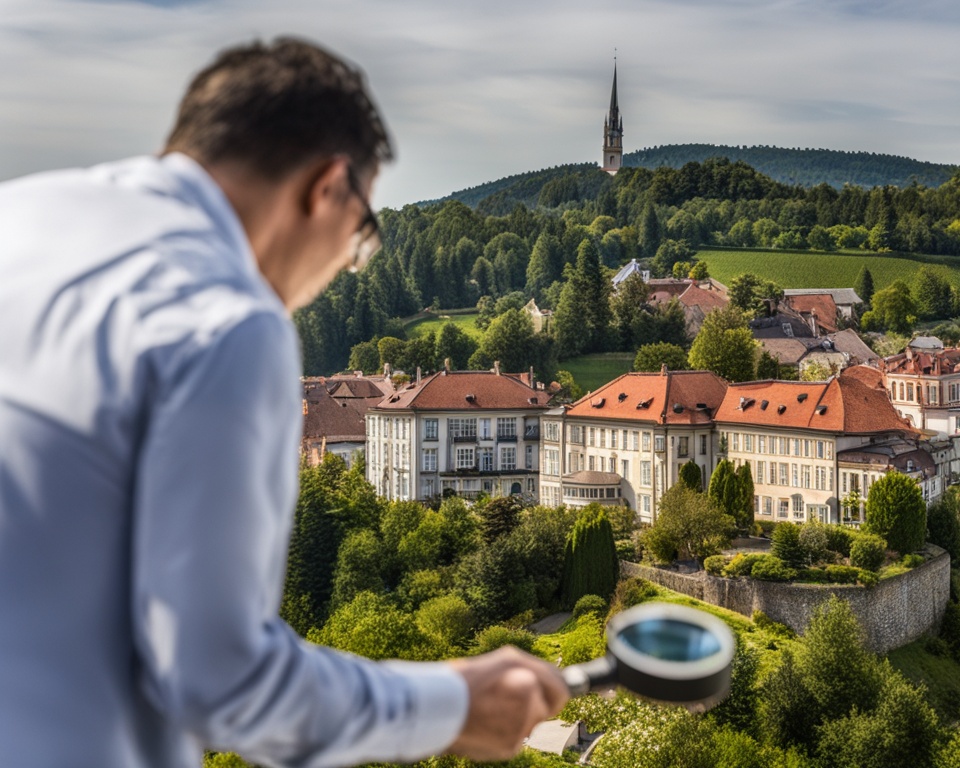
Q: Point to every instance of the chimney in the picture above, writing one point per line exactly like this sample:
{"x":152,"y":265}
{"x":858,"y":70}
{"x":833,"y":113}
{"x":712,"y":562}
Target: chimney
{"x":418,"y":374}
{"x":531,"y":378}
{"x":387,"y":370}
{"x":496,"y":367}
{"x":446,"y":364}
{"x":663,"y":369}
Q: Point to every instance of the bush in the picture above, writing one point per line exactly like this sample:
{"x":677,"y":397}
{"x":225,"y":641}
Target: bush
{"x":839,"y":539}
{"x":715,"y":564}
{"x":772,"y":568}
{"x":589,"y":604}
{"x":868,"y":578}
{"x":742,"y":564}
{"x":896,"y":510}
{"x":943,"y":524}
{"x":842,"y":574}
{"x":868,"y":551}
{"x":630,"y":592}
{"x":498,"y":636}
{"x":584,"y":642}
{"x":912,"y":560}
{"x":786,"y":545}
{"x":812,"y":575}
{"x":626,"y":550}
{"x":950,"y":629}
{"x":766,"y":527}
{"x":813,"y":539}
{"x":767,"y":624}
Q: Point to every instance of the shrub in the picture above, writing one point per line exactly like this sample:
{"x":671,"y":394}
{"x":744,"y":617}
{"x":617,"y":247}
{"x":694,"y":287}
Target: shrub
{"x":590,"y":564}
{"x":912,"y":560}
{"x":626,"y":550}
{"x":766,"y":527}
{"x":839,"y":539}
{"x":715,"y":564}
{"x":787,"y":546}
{"x":813,"y":539}
{"x":742,"y":564}
{"x":497,"y":636}
{"x":767,"y":624}
{"x":868,"y":578}
{"x":772,"y":568}
{"x":630,"y":592}
{"x":896,"y":510}
{"x":813,"y":575}
{"x":589,"y":604}
{"x":868,"y":551}
{"x":584,"y":642}
{"x":943,"y":524}
{"x":950,"y":629}
{"x":842,"y":574}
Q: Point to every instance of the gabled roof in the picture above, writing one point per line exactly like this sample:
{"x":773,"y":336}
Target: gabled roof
{"x":911,"y":362}
{"x":695,"y":296}
{"x":336,"y":419}
{"x":842,"y":405}
{"x":821,"y":305}
{"x":466,"y":391}
{"x":869,"y":377}
{"x":668,"y":397}
{"x":630,"y":268}
{"x":846,"y":296}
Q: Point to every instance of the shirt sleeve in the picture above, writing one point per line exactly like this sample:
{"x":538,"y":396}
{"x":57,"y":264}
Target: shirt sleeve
{"x":212,"y":511}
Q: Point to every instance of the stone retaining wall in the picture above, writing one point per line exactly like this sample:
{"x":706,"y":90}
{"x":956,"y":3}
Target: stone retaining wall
{"x":895,"y":612}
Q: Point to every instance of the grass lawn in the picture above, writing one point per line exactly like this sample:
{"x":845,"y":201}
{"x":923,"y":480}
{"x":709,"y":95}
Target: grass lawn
{"x":466,"y":321}
{"x":940,"y":674}
{"x":593,"y":371}
{"x":809,"y":269}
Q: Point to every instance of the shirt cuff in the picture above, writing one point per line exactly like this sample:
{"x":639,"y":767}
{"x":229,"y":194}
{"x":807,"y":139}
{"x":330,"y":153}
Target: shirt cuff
{"x":440,"y":700}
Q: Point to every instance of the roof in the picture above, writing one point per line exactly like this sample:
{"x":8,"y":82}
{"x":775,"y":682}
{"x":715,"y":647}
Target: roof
{"x":695,"y":296}
{"x":821,"y":305}
{"x":592,"y":477}
{"x":902,"y":455}
{"x":869,"y":377}
{"x":336,"y":419}
{"x":787,"y":351}
{"x":926,"y":342}
{"x":849,"y":342}
{"x":932,"y":363}
{"x":842,"y":405}
{"x":466,"y":391}
{"x":630,"y":268}
{"x":668,"y":397}
{"x":775,"y":326}
{"x":845,"y":296}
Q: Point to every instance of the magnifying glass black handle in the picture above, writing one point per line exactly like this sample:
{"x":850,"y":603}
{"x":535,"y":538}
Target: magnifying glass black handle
{"x":591,"y":675}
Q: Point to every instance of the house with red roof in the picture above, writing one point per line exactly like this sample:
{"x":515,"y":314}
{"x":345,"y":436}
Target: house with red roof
{"x":625,"y":442}
{"x":806,"y":442}
{"x":456,"y":432}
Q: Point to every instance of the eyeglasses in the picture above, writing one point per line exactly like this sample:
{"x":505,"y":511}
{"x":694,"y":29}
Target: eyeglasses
{"x":367,"y":237}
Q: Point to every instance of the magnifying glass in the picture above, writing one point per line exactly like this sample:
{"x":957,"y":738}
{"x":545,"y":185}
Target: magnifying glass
{"x":669,"y":653}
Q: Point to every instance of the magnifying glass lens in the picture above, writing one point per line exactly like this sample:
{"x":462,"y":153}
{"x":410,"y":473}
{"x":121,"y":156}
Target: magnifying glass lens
{"x":671,"y":640}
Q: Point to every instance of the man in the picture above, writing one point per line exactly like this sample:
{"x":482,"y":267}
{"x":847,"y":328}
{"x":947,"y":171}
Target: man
{"x":149,"y":413}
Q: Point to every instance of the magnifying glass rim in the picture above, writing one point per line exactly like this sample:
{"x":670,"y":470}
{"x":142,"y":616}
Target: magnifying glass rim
{"x":671,"y":670}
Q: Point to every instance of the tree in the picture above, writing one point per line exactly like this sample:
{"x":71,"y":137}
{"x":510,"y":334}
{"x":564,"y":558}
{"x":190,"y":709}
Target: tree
{"x":699,"y":271}
{"x":365,"y":357}
{"x":628,"y":306}
{"x":725,"y":346}
{"x":893,"y":309}
{"x":568,"y":386}
{"x":816,"y":371}
{"x":744,"y":510}
{"x":583,"y":316}
{"x":752,"y":294}
{"x":359,"y":563}
{"x":690,"y":475}
{"x":447,"y":621}
{"x":897,"y":512}
{"x":455,"y":344}
{"x":509,"y":339}
{"x":590,"y":566}
{"x":934,"y":300}
{"x":545,"y":267}
{"x":669,"y":253}
{"x":498,"y":517}
{"x":864,"y":285}
{"x":786,"y":545}
{"x":371,"y":625}
{"x":688,"y":525}
{"x":650,"y":233}
{"x":943,"y":522}
{"x":651,"y":357}
{"x":391,"y":350}
{"x":718,"y":481}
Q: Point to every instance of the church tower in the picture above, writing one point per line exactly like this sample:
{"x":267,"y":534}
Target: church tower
{"x":613,"y":132}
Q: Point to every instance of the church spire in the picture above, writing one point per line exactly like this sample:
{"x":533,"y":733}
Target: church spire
{"x":613,"y":131}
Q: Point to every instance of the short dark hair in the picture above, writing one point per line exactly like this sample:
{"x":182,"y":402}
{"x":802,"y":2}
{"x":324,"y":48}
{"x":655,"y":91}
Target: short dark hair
{"x":273,"y":107}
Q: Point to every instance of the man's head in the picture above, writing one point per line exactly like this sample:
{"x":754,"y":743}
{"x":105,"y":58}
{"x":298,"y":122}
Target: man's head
{"x":291,"y":136}
{"x":275,"y":107}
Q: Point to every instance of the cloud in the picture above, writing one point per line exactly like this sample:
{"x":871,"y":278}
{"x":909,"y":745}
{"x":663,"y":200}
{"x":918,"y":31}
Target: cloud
{"x":477,"y":92}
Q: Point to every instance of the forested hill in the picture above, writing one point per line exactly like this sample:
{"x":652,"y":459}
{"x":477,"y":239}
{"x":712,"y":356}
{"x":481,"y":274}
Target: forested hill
{"x":807,"y":167}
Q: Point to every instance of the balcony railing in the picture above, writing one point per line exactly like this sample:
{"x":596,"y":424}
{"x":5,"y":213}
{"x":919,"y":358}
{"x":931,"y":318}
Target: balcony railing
{"x":464,"y":438}
{"x":506,"y":438}
{"x":532,"y":433}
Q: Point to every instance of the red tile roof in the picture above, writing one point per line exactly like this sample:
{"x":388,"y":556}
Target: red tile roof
{"x":466,"y":391}
{"x":926,"y":363}
{"x":822,"y":304}
{"x":337,"y":419}
{"x":695,"y":296}
{"x":674,"y":397}
{"x":843,"y":405}
{"x":866,"y":375}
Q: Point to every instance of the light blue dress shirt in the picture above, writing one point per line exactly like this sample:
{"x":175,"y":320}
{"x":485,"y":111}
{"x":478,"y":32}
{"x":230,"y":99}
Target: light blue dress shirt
{"x":150,"y":420}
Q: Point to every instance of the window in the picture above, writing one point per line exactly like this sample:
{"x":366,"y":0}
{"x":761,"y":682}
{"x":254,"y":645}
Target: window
{"x":795,"y":475}
{"x":806,"y":448}
{"x":761,"y":471}
{"x":592,"y":463}
{"x":592,"y":436}
{"x":796,"y":446}
{"x":773,"y":473}
{"x":683,"y":447}
{"x":806,"y":476}
{"x":576,"y":434}
{"x":508,"y":457}
{"x":603,"y":437}
{"x":783,"y":443}
{"x":903,"y":395}
{"x":635,"y":440}
{"x":551,"y":431}
{"x":761,"y":444}
{"x":703,"y":445}
{"x":551,"y":462}
{"x":748,"y":443}
{"x":530,"y":485}
{"x":485,"y":457}
{"x":465,"y":458}
{"x":910,"y":392}
{"x":613,"y":438}
{"x":645,"y":473}
{"x":767,"y":506}
{"x":659,"y":443}
{"x":624,"y":468}
{"x":734,"y":441}
{"x":463,"y":429}
{"x":612,"y":464}
{"x":954,"y":392}
{"x":646,"y":438}
{"x":783,"y":474}
{"x":429,"y":488}
{"x":485,"y":429}
{"x":797,"y":502}
{"x":429,"y":459}
{"x":645,"y":505}
{"x":506,"y":428}
{"x":821,"y":450}
{"x":783,"y":507}
{"x":624,"y":443}
{"x":528,"y":457}
{"x":821,"y":479}
{"x":430,"y":429}
{"x":893,"y":391}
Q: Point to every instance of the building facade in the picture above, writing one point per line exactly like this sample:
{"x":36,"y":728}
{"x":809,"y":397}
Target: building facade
{"x":466,"y":433}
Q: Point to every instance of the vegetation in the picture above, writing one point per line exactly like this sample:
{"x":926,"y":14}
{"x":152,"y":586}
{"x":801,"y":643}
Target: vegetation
{"x":590,"y":563}
{"x":897,"y":512}
{"x":725,"y":346}
{"x":689,"y":525}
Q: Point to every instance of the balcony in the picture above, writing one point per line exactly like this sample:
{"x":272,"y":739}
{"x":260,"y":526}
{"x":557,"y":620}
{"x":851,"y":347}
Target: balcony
{"x":533,"y":433}
{"x":506,"y":438}
{"x":464,"y":438}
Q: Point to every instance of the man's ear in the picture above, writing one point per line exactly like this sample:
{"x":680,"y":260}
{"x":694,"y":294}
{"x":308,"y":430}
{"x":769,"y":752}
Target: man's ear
{"x":325,"y":183}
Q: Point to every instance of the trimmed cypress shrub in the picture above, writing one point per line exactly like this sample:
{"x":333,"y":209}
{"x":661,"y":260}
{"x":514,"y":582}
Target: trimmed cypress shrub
{"x":590,"y":564}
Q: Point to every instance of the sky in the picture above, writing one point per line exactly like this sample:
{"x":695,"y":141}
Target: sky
{"x":473,"y":92}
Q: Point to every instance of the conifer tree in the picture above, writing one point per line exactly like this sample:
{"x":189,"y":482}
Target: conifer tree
{"x":864,"y":285}
{"x":690,"y":475}
{"x":745,"y":504}
{"x":590,"y":564}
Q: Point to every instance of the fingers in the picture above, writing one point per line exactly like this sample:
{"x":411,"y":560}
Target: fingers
{"x":510,"y":693}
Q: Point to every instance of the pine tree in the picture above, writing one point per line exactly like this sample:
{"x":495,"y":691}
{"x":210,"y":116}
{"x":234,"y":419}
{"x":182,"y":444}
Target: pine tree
{"x":745,"y":502}
{"x":545,"y":267}
{"x":590,"y":562}
{"x":864,"y":285}
{"x":650,"y":233}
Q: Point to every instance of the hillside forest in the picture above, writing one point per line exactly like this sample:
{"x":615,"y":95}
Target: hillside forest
{"x":557,"y":237}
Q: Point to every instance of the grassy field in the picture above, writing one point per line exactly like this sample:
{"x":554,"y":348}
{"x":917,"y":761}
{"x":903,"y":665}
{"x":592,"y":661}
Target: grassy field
{"x":466,"y":321}
{"x":940,"y":674}
{"x":806,"y":269}
{"x":593,"y":371}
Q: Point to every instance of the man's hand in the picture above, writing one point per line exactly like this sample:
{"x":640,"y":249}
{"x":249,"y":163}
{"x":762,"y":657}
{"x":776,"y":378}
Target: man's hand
{"x":510,"y":692}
